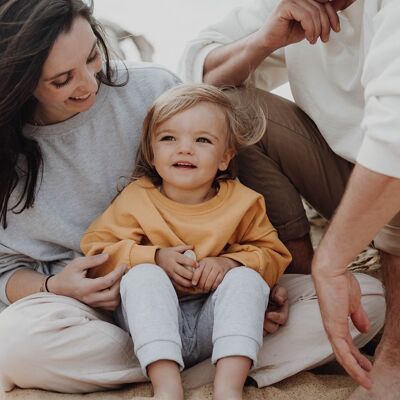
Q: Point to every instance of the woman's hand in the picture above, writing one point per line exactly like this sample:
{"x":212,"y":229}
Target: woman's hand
{"x":100,"y":292}
{"x":295,"y":20}
{"x":277,"y":311}
{"x":177,"y":266}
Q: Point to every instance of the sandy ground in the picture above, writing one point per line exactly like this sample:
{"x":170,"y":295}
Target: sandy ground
{"x":303,"y":386}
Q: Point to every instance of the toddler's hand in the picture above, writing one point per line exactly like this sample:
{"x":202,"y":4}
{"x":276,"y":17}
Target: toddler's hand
{"x":211,"y":272}
{"x":175,"y":264}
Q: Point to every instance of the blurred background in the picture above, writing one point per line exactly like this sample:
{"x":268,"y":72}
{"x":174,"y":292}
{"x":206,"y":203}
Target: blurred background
{"x":166,"y":24}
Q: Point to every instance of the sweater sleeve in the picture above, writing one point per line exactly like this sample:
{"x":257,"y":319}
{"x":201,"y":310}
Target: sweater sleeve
{"x":258,"y":246}
{"x":117,"y":233}
{"x":239,"y":23}
{"x":380,"y":150}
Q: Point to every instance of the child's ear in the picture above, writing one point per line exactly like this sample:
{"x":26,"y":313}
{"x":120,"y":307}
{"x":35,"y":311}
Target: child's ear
{"x":226,"y":158}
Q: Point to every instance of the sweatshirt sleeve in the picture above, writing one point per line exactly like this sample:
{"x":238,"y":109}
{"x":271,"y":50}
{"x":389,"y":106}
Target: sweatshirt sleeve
{"x":258,"y":246}
{"x":117,"y":233}
{"x":380,"y":150}
{"x":239,"y":23}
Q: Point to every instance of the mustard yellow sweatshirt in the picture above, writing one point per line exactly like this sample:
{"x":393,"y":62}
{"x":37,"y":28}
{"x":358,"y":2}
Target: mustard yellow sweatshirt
{"x":232,"y":224}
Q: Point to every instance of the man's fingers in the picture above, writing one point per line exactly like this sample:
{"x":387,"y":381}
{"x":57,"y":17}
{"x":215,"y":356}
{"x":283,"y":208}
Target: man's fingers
{"x":270,"y":327}
{"x":279,"y":295}
{"x":325,"y":24}
{"x":363,"y":361}
{"x":349,"y":357}
{"x":303,"y":16}
{"x":277,"y":317}
{"x":333,"y":17}
{"x":360,"y":320}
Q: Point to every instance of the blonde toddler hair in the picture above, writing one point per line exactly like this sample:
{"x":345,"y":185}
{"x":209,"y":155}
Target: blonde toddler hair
{"x":245,"y":125}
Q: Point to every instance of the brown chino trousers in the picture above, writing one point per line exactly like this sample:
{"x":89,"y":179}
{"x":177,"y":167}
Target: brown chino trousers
{"x":292,"y":160}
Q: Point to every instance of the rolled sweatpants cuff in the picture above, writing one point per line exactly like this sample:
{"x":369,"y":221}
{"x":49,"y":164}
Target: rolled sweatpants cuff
{"x":228,"y":346}
{"x":159,"y":350}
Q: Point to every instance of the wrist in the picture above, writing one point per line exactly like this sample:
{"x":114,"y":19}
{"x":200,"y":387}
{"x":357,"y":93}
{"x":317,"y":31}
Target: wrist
{"x":259,"y":42}
{"x":52,"y":284}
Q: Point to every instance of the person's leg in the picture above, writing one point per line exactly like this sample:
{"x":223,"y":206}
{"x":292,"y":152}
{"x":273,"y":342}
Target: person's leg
{"x":150,"y":311}
{"x":301,"y":343}
{"x":58,"y":344}
{"x":386,"y":367}
{"x":292,"y":159}
{"x":239,"y":306}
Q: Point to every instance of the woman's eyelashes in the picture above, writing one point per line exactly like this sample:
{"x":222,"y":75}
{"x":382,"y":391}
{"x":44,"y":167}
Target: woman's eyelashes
{"x":69,"y":77}
{"x":59,"y":84}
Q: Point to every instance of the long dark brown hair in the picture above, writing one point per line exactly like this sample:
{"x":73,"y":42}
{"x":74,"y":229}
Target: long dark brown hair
{"x":28,"y":30}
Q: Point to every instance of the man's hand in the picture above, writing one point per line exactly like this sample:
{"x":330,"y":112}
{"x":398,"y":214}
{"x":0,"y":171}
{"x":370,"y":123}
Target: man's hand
{"x":278,"y":309}
{"x":211,"y":272}
{"x":175,"y":264}
{"x":295,"y":20}
{"x":339,"y":298}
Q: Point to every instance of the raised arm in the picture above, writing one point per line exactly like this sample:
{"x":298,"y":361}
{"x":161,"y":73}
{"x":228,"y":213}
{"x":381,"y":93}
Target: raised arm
{"x":290,"y":22}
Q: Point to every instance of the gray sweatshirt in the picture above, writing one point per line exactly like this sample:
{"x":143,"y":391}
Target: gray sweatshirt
{"x":84,"y":160}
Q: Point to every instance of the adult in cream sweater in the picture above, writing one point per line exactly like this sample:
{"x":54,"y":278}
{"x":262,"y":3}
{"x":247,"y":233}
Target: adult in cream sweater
{"x":341,"y":60}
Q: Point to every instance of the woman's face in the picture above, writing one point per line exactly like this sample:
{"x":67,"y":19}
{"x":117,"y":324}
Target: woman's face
{"x":68,"y":83}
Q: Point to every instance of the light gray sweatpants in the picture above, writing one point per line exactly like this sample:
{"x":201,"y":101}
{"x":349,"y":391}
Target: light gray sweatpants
{"x":227,"y":322}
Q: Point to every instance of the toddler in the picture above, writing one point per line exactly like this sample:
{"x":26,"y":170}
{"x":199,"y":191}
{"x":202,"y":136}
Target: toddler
{"x":201,"y":250}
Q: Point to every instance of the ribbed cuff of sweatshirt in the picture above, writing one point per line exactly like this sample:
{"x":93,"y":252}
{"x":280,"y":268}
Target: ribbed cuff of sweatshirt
{"x":192,"y":68}
{"x":4,"y":278}
{"x":142,"y":255}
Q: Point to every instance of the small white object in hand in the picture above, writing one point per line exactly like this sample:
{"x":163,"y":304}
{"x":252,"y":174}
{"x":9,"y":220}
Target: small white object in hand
{"x":190,"y":254}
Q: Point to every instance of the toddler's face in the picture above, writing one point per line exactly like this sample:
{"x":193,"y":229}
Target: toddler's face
{"x":190,"y":147}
